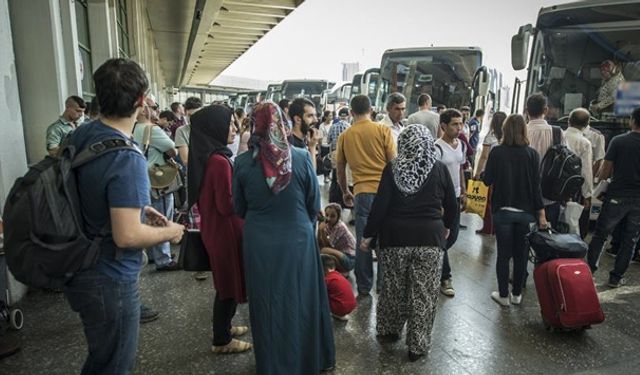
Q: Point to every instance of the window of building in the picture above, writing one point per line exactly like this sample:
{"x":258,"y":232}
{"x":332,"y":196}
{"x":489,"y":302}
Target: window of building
{"x":84,"y":46}
{"x":124,"y":48}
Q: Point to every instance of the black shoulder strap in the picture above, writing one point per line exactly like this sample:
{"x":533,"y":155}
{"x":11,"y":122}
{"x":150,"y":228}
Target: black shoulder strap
{"x":557,"y":135}
{"x":99,"y":148}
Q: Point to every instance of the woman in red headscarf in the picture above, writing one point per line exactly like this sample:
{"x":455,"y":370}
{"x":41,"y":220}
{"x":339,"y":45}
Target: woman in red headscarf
{"x":275,"y":189}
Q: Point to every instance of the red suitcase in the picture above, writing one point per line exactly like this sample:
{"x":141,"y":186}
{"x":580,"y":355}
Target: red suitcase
{"x":567,"y":296}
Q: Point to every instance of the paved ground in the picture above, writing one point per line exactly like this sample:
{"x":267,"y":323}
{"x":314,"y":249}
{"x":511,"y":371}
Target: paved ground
{"x":472,"y":334}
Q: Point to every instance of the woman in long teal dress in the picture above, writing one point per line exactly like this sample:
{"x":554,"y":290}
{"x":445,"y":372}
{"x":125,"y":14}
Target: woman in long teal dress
{"x":275,"y":189}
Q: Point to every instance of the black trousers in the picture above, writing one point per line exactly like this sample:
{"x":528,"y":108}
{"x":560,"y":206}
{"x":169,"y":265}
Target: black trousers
{"x":223,"y":312}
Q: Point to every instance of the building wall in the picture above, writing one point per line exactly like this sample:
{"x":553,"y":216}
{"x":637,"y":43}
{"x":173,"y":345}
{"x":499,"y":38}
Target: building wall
{"x":48,"y":61}
{"x":13,"y":162}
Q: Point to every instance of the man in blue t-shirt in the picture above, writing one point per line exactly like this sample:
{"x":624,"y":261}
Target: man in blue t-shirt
{"x":114,"y":192}
{"x":622,"y":202}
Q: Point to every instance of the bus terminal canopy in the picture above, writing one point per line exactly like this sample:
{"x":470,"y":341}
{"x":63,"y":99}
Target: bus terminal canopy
{"x":198,"y":39}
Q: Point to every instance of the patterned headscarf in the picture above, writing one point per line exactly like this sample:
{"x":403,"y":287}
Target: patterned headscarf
{"x":270,"y":146}
{"x":416,"y":156}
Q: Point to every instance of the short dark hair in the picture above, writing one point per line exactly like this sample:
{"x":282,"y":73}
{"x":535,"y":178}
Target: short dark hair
{"x":283,"y":104}
{"x":360,"y":105}
{"x":514,"y":131}
{"x":395,"y":98}
{"x":192,"y":103}
{"x":169,"y":115}
{"x":635,"y":115}
{"x":239,"y":112}
{"x":448,"y":115}
{"x":78,"y":100}
{"x":120,"y":83}
{"x":579,"y":118}
{"x":296,"y":108}
{"x":344,"y":111}
{"x":423,"y":99}
{"x":479,"y":112}
{"x":536,"y":103}
{"x":328,"y":262}
{"x":175,"y":106}
{"x":441,"y":106}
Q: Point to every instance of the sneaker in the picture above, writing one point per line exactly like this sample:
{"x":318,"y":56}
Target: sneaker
{"x":612,"y":251}
{"x":344,"y":318}
{"x":616,"y":283}
{"x":446,"y":288}
{"x":515,"y":300}
{"x":504,"y":301}
{"x":200,"y":276}
{"x":171,"y":266}
{"x":147,"y":314}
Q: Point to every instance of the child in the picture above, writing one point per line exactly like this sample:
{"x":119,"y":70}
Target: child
{"x":341,"y":298}
{"x":335,"y":239}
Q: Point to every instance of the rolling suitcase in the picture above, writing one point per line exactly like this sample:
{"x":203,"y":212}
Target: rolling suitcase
{"x":567,"y":295}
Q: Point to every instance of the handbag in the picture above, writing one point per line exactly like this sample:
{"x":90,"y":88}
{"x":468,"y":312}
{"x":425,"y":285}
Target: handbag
{"x":193,"y":254}
{"x":164,"y":179}
{"x":549,"y":244}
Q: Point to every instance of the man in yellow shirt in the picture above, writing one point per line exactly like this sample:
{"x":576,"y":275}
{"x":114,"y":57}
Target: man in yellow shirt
{"x":367,"y":147}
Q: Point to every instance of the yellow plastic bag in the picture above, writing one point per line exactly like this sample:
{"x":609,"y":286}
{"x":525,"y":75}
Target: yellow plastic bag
{"x":477,"y":194}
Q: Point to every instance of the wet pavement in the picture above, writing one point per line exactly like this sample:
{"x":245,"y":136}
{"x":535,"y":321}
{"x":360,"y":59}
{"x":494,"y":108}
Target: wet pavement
{"x":472,"y":334}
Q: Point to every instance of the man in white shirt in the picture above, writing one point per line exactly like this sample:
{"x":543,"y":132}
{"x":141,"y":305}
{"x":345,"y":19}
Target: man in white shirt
{"x":425,"y":116}
{"x":580,"y":145}
{"x":597,"y":147}
{"x":453,"y":154}
{"x":396,"y":106}
{"x":541,"y":137}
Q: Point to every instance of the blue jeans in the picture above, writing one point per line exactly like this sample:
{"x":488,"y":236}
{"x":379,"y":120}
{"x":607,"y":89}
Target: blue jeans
{"x":110,"y":313}
{"x":511,"y":229}
{"x":364,"y":259}
{"x":161,"y":253}
{"x":615,"y":210}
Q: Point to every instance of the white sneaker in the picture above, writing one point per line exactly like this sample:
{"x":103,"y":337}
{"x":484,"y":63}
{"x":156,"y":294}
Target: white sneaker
{"x":344,"y":318}
{"x":504,"y":301}
{"x":446,"y":288}
{"x":516,"y":300}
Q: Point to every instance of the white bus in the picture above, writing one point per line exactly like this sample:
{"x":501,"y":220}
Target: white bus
{"x":452,"y":76}
{"x":570,"y":43}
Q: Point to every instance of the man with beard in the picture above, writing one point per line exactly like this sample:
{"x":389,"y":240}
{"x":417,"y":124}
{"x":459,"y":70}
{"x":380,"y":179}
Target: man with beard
{"x":303,"y":116}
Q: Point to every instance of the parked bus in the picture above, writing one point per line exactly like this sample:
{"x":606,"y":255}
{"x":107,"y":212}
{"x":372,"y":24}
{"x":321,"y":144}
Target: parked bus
{"x":274,"y":92}
{"x":306,"y":88}
{"x":570,"y":43}
{"x":453,"y":76}
{"x":337,"y":97}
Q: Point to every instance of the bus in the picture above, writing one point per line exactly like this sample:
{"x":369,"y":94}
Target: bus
{"x":356,"y":85}
{"x":570,"y":43}
{"x":337,"y":97}
{"x":452,"y":76}
{"x":274,"y":92}
{"x":311,"y":89}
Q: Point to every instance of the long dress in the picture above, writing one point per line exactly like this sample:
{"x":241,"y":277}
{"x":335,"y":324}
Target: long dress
{"x":222,"y":230}
{"x":288,"y":304}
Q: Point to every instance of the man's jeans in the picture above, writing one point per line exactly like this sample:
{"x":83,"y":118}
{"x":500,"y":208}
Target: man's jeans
{"x":613,"y":211}
{"x":364,"y":259}
{"x":161,"y":253}
{"x":451,"y":240}
{"x":110,"y":313}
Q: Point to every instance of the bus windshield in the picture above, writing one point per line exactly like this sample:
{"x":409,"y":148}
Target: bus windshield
{"x":581,"y":66}
{"x":446,"y":75}
{"x":304,"y":89}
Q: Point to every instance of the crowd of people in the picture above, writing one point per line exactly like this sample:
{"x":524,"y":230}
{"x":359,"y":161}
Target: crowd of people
{"x":250,"y":185}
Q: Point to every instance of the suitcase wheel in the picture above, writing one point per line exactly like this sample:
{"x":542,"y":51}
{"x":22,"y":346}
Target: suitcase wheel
{"x":16,"y":319}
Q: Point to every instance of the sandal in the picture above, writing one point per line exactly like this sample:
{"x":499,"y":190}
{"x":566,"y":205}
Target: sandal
{"x":239,"y":330}
{"x":235,"y":346}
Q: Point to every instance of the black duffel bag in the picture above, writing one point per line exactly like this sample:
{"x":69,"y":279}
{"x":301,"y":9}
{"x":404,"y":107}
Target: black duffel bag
{"x":549,"y":244}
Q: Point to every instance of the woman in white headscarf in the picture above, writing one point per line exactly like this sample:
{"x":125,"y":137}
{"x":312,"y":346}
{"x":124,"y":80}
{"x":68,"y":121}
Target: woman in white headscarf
{"x":413,"y":209}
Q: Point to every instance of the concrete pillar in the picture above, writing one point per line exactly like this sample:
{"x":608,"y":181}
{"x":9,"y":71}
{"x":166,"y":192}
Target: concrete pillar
{"x":40,"y":66}
{"x":13,"y":159}
{"x":103,"y":47}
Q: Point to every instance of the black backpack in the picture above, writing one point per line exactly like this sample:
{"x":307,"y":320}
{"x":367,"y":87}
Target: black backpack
{"x":44,"y":238}
{"x":560,"y":171}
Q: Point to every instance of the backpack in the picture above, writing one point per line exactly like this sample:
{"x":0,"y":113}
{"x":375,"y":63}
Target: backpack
{"x":560,"y":171}
{"x":44,"y":237}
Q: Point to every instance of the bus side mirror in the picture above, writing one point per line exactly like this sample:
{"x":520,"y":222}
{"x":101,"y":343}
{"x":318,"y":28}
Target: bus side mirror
{"x":520,"y":47}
